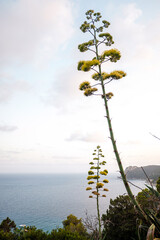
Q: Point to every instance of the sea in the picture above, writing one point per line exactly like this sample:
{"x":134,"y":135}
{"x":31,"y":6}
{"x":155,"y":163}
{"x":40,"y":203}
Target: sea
{"x":45,"y":200}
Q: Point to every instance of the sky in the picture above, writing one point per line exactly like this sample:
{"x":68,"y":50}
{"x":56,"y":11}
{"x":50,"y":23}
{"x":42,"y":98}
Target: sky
{"x":46,"y":124}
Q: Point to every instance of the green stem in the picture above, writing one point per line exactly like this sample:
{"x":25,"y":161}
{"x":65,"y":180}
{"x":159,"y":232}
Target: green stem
{"x":113,"y":139}
{"x":117,"y":154}
{"x":98,"y":212}
{"x":99,"y":220}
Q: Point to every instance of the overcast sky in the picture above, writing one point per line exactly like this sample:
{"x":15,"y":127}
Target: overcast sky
{"x":46,"y":123}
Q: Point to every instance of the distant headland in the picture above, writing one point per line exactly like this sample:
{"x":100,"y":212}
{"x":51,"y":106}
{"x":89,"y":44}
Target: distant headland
{"x":152,"y":171}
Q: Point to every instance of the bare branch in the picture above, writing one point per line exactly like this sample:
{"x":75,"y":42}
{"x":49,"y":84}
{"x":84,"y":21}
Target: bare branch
{"x":133,"y":184}
{"x":94,"y":70}
{"x":100,"y":42}
{"x":91,"y":32}
{"x":108,"y":81}
{"x":155,"y":136}
{"x":91,"y":50}
{"x":106,"y":60}
{"x":96,"y":84}
{"x":147,"y":177}
{"x":90,"y":222}
{"x":96,"y":94}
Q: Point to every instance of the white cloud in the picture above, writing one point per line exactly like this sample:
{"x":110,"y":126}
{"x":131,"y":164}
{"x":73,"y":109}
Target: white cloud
{"x":132,"y":36}
{"x":64,"y":92}
{"x":131,"y":13}
{"x":87,"y":137}
{"x":139,"y":91}
{"x":9,"y":86}
{"x":6,"y":128}
{"x":33,"y":30}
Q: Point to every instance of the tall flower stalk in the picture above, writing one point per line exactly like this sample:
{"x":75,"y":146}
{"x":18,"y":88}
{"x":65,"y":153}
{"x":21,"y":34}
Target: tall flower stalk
{"x":97,"y":188}
{"x":93,"y":27}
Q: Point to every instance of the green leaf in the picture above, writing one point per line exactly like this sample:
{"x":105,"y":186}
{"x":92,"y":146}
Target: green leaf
{"x":155,"y":192}
{"x":150,"y":233}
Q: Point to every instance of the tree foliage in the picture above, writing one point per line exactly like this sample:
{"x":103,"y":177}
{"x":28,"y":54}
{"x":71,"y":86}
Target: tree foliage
{"x":63,"y":234}
{"x":147,"y":200}
{"x":7,"y":225}
{"x":73,"y":224}
{"x":121,"y":220}
{"x":158,"y":185}
{"x":73,"y":230}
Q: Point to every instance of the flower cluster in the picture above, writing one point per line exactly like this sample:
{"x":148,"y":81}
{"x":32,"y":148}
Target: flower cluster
{"x":85,"y":46}
{"x":112,"y":55}
{"x":94,"y":174}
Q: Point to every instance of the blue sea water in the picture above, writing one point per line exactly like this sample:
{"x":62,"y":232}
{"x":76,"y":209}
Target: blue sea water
{"x":45,"y":200}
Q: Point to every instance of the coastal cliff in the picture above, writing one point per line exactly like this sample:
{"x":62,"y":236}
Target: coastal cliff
{"x":134,"y":172}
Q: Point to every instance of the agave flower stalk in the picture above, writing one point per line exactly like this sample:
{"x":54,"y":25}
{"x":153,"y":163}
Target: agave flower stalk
{"x":95,"y":174}
{"x":102,"y":78}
